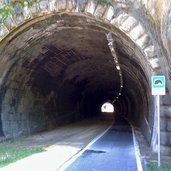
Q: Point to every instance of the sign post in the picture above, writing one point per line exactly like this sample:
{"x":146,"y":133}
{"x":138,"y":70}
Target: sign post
{"x":158,"y":128}
{"x":158,"y":88}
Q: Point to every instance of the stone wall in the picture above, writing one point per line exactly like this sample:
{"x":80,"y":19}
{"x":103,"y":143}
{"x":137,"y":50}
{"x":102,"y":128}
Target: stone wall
{"x":166,"y":124}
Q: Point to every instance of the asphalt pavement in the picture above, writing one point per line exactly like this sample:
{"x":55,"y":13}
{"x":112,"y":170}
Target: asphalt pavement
{"x":114,"y":151}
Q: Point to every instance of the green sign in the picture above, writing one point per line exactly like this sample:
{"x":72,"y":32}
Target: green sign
{"x":158,"y":85}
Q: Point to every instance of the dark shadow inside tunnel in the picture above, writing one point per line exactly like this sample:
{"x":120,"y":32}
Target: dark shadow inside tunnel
{"x":65,"y":76}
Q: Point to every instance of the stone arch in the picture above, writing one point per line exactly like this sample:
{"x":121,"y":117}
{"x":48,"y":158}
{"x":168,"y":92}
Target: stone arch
{"x":100,"y":11}
{"x":115,"y":13}
{"x":30,"y":32}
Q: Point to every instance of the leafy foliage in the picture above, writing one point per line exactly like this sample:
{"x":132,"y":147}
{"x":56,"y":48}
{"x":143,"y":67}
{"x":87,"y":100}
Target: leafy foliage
{"x":4,"y":13}
{"x":106,"y":2}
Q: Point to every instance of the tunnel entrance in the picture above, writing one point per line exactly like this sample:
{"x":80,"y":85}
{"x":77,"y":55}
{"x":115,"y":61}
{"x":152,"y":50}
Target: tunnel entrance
{"x":107,"y":107}
{"x":107,"y":111}
{"x":60,"y":70}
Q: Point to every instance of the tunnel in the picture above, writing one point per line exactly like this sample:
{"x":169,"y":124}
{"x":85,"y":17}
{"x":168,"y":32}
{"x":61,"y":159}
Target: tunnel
{"x":59,"y":69}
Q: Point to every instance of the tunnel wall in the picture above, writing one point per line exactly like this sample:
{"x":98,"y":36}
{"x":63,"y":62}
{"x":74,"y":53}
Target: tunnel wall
{"x":165,"y":124}
{"x":23,"y":111}
{"x":68,"y":102}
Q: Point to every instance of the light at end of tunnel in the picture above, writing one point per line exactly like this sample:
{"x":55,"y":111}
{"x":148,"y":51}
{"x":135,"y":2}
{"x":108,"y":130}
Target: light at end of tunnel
{"x":107,"y":108}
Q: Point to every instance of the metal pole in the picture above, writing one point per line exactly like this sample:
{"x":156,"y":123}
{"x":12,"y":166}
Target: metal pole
{"x":158,"y":127}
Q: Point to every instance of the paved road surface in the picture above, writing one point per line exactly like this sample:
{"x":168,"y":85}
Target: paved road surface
{"x":114,"y":151}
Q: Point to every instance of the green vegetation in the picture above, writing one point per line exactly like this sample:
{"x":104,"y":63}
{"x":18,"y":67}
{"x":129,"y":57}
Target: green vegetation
{"x":151,"y":166}
{"x":10,"y":153}
{"x":106,"y":2}
{"x":4,"y":13}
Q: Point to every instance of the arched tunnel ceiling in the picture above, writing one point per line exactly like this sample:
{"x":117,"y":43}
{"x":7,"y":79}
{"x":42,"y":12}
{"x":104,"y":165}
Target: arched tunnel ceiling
{"x":77,"y":44}
{"x":74,"y":48}
{"x":119,"y":13}
{"x":61,"y":63}
{"x":128,"y":16}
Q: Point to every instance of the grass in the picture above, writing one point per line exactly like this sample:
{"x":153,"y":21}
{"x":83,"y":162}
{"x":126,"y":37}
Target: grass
{"x":10,"y":153}
{"x":152,"y":166}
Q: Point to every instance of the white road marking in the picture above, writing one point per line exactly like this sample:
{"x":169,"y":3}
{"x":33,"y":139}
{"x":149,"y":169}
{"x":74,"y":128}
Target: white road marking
{"x":72,"y":159}
{"x":137,"y":151}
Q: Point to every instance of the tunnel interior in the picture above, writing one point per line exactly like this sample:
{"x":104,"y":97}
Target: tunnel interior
{"x":60,"y":70}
